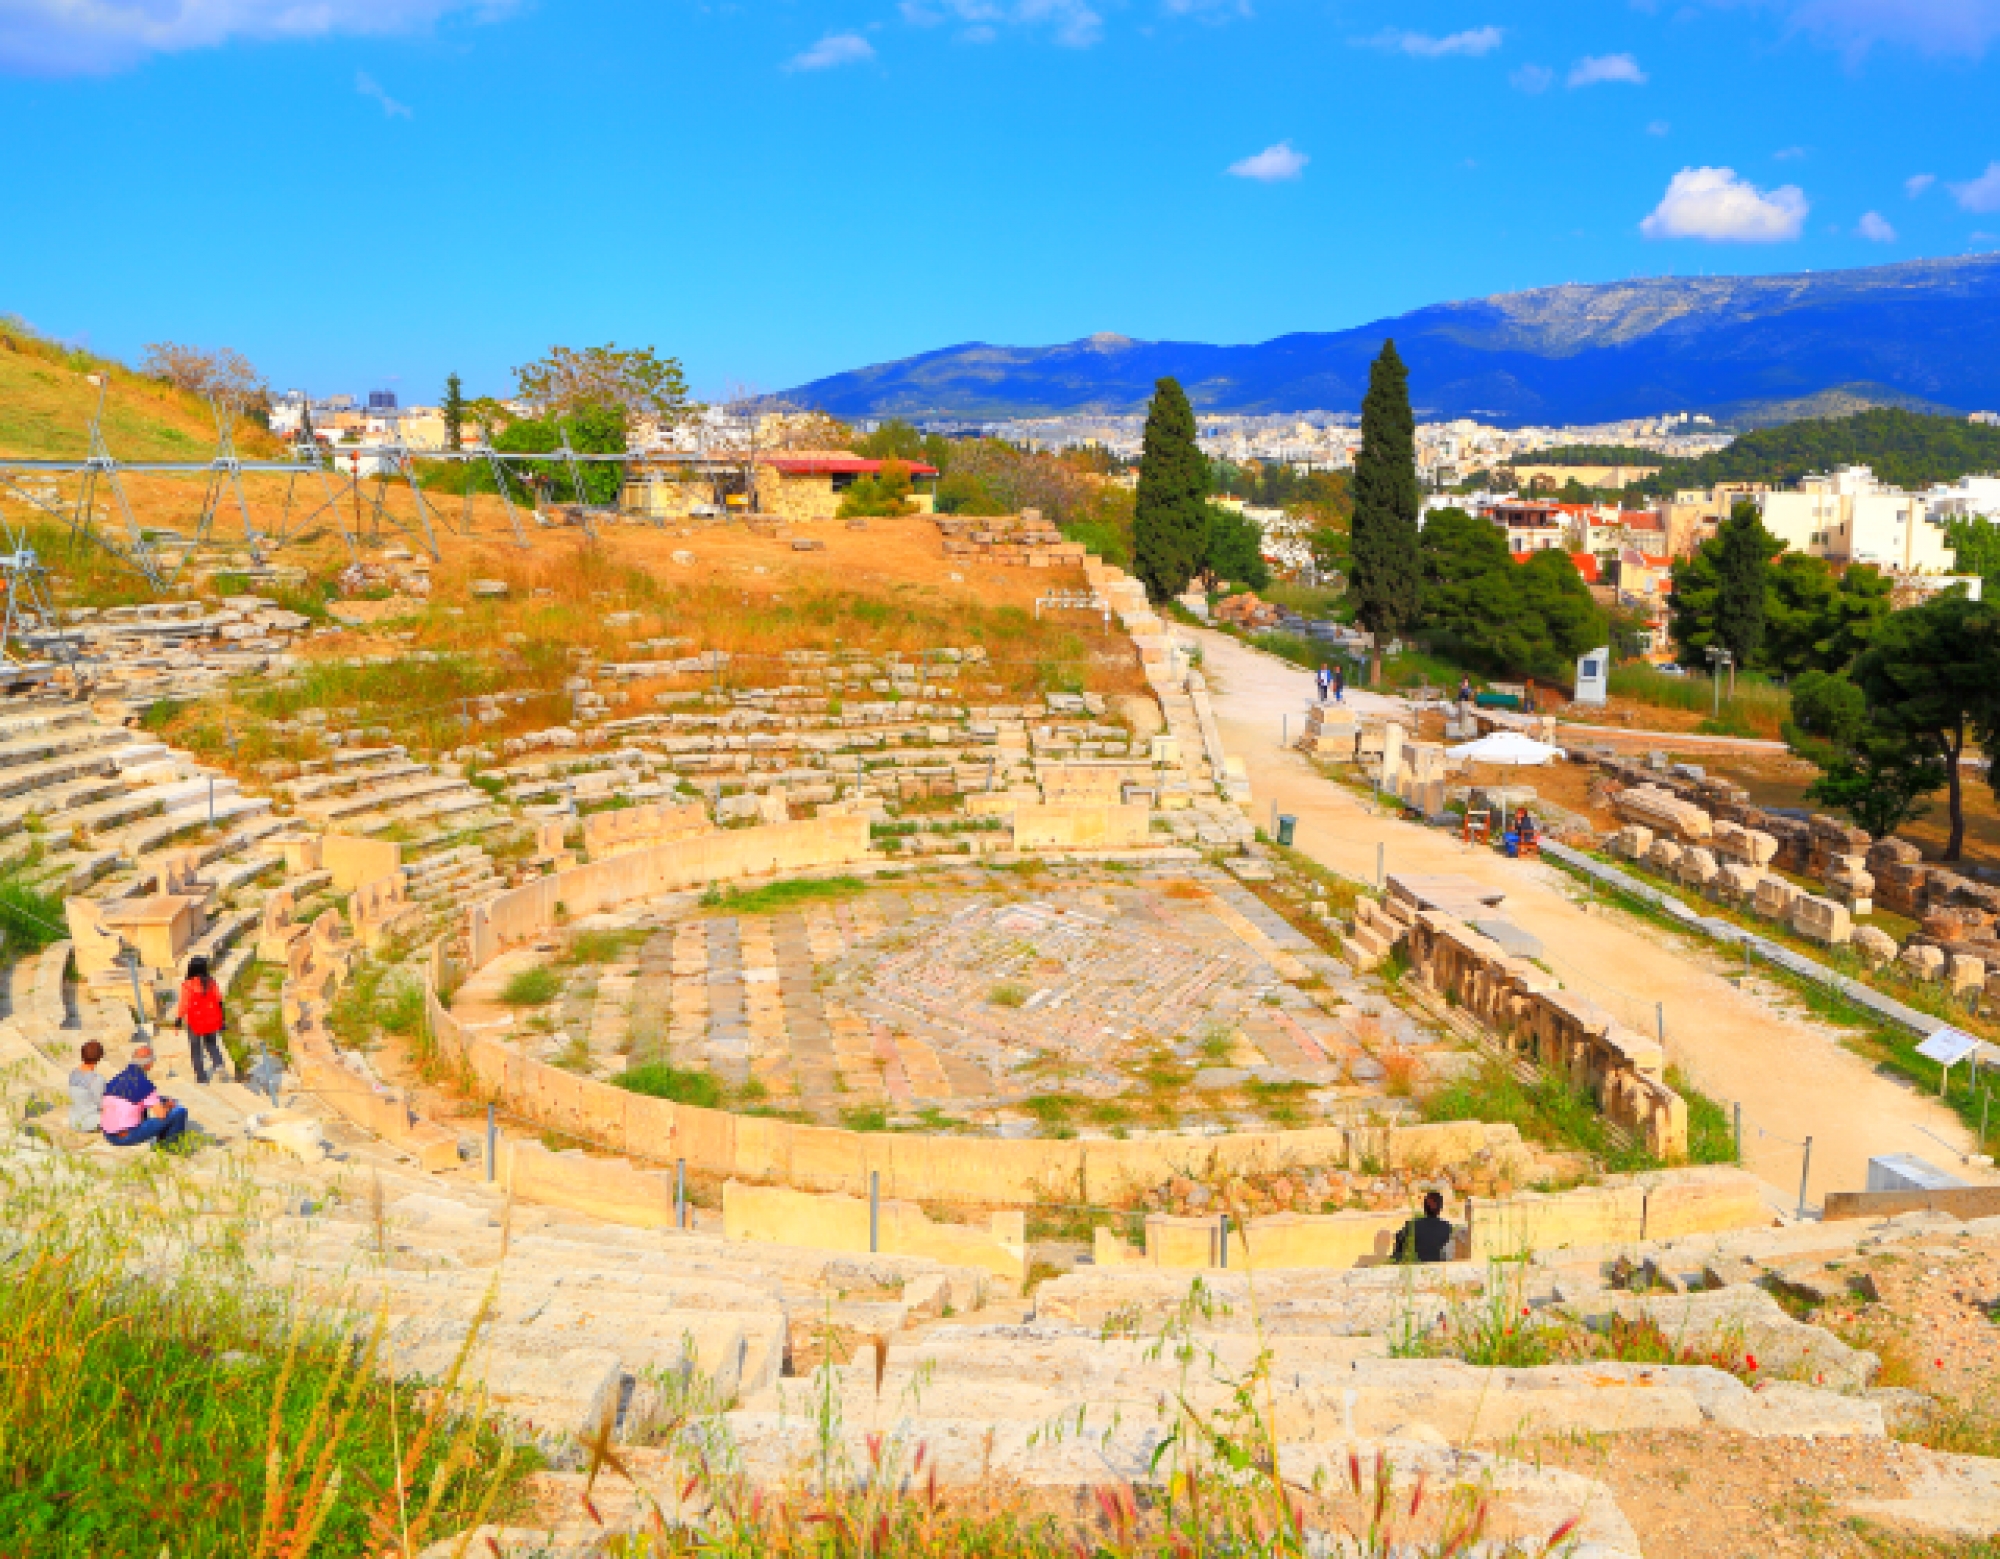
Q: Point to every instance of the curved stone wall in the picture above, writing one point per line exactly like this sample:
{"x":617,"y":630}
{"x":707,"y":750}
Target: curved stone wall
{"x":938,"y":1169}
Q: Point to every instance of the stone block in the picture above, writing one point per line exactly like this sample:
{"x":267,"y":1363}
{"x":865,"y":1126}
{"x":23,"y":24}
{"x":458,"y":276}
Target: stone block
{"x":1750,"y":846}
{"x":1665,"y":855}
{"x":1821,"y":920}
{"x":1663,"y":811}
{"x":1630,"y":842}
{"x":1697,"y":868}
{"x":1775,"y":897}
{"x":1875,"y":945}
{"x":1966,"y":973}
{"x":1923,"y":963}
{"x":1740,"y":881}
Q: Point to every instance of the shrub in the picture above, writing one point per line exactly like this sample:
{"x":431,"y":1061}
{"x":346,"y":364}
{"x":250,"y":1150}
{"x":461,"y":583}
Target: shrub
{"x":657,"y":1080}
{"x":531,"y":988}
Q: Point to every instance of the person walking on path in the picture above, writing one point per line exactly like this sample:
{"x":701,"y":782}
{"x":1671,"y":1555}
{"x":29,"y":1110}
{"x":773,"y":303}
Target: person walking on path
{"x":202,"y":1016}
{"x":1324,"y":677}
{"x":1339,"y":685}
{"x":135,"y":1112}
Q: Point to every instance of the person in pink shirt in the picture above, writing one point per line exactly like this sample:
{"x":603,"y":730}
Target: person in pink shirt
{"x":135,"y":1112}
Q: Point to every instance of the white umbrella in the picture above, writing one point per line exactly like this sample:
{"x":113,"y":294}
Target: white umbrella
{"x":1509,"y":747}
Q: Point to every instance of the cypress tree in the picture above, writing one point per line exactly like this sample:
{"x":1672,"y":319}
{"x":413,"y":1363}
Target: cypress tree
{"x":1743,"y":550}
{"x":454,"y":413}
{"x":1170,"y":520}
{"x":1385,"y":572}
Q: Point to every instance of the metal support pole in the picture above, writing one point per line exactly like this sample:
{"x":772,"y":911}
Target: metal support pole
{"x":874,"y":1211}
{"x":680,"y":1193}
{"x":1284,"y":730}
{"x":138,"y":1001}
{"x":211,"y":801}
{"x":1660,"y":1021}
{"x":1739,"y":1131}
{"x":1805,"y":1175}
{"x":492,"y":1145}
{"x":1225,"y":1242}
{"x":1380,"y":847}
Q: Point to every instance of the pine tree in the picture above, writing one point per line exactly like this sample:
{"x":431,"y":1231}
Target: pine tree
{"x":1170,"y":520}
{"x":454,"y":413}
{"x":1386,"y":572}
{"x":1743,"y":552}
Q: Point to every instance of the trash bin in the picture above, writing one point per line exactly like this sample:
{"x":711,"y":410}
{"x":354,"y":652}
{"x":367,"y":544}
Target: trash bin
{"x":1286,"y":824}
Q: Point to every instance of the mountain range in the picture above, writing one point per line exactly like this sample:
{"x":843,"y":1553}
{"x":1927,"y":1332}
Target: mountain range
{"x":1924,"y":335}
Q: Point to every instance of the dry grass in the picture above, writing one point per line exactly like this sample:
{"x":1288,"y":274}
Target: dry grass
{"x":46,"y":405}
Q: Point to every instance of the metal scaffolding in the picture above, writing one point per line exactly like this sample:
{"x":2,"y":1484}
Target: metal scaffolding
{"x":98,"y":509}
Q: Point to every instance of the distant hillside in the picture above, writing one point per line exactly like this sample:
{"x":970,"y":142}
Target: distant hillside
{"x":1925,"y":333}
{"x":1906,"y":449}
{"x":46,"y":403}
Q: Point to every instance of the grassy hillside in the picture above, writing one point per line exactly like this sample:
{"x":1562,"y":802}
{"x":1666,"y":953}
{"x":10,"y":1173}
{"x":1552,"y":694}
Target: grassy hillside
{"x":1906,"y":448}
{"x":46,"y":402}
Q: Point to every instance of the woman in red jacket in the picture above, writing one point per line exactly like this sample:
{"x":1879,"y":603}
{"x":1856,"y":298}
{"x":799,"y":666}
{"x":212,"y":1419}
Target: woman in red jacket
{"x":202,"y":1016}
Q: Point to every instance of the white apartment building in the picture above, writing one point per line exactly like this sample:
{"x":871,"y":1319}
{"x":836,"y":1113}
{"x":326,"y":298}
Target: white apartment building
{"x":1849,"y":517}
{"x":1974,"y":496}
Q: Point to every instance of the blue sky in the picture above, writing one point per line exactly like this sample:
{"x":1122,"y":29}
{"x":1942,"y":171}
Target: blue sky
{"x":370,"y":193}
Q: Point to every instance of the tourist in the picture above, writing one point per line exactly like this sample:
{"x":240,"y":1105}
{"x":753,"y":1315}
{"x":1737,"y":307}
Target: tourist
{"x":135,"y":1112}
{"x":1325,"y":679}
{"x":1339,"y":685}
{"x":86,"y":1089}
{"x":1427,"y":1238}
{"x":202,"y":1016}
{"x":1464,"y":696}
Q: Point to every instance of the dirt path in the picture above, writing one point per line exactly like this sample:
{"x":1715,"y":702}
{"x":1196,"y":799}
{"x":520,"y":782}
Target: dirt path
{"x":1790,"y":1073}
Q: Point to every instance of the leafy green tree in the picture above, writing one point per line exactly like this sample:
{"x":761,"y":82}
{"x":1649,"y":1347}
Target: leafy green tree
{"x":592,"y":430}
{"x":1976,"y":543}
{"x":1904,"y":448}
{"x":1170,"y":522}
{"x":637,"y":380}
{"x":453,"y":407}
{"x":1931,"y":678}
{"x":1877,"y":776}
{"x":1234,"y":549}
{"x":1384,"y":575}
{"x":1744,"y":550}
{"x":1698,"y":599}
{"x":1482,"y":606}
{"x":900,"y":440}
{"x":886,"y":494}
{"x":1814,"y":621}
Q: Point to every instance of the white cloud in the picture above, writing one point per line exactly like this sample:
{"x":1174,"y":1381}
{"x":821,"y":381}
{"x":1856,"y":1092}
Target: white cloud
{"x":1875,"y":228}
{"x":1474,"y":41}
{"x":1713,"y":203}
{"x":1982,"y":193}
{"x":94,"y":37}
{"x":1207,"y":10}
{"x":1272,"y":164}
{"x":1957,"y":27}
{"x":1917,"y":183}
{"x":1072,"y":22}
{"x":1596,"y":69}
{"x":832,"y":51}
{"x":1789,"y":154}
{"x":1658,"y":127}
{"x":368,"y":86}
{"x":1532,"y":79}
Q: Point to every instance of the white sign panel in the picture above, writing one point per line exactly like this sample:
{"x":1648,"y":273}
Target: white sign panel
{"x":1948,"y":1047}
{"x":1593,"y":676}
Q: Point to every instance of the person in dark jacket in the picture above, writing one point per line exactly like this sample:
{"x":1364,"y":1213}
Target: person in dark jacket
{"x":135,"y":1112}
{"x":1427,"y":1238}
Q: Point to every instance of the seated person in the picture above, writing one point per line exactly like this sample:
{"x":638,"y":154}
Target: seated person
{"x":1427,"y":1238}
{"x":86,"y":1089}
{"x":135,"y":1112}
